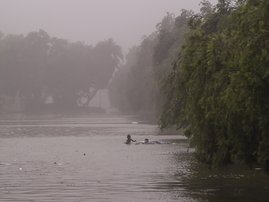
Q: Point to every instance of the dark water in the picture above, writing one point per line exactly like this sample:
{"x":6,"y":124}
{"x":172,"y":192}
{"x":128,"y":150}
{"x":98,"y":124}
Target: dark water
{"x":84,"y":159}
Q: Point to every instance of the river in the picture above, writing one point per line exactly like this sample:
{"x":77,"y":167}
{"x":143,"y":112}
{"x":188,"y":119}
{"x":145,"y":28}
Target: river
{"x":84,"y":158}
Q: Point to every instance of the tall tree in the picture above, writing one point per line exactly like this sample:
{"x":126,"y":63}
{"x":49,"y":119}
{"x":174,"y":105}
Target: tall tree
{"x":219,"y":87}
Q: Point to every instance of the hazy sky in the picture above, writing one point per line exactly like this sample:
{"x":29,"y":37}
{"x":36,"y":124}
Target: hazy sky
{"x":126,"y":21}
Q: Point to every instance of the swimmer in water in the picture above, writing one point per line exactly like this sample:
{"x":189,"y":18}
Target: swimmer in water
{"x":146,"y":141}
{"x":129,"y":139}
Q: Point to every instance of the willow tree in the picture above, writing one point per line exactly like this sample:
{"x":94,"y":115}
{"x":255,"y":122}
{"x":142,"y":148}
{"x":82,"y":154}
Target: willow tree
{"x":219,"y":86}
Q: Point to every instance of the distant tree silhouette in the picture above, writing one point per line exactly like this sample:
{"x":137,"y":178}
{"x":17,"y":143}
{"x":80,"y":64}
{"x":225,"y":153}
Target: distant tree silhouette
{"x":37,"y":66}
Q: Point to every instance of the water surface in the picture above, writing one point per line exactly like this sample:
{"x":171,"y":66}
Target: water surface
{"x":85,"y":159}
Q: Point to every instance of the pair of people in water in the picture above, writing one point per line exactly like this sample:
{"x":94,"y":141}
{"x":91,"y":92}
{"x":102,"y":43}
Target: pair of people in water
{"x":146,"y":141}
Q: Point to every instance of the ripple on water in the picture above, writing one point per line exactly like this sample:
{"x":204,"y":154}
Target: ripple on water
{"x":84,"y":159}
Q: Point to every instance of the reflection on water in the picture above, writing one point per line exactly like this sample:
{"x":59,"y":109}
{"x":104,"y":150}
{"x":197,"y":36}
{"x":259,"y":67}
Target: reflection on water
{"x":230,"y":184}
{"x":84,"y":159}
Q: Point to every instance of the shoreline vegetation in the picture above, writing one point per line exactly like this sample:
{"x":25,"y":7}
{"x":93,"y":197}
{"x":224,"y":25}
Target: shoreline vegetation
{"x":221,"y":84}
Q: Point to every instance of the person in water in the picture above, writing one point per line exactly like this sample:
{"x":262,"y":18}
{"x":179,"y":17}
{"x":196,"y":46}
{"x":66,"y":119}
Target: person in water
{"x":129,"y":139}
{"x":146,"y":141}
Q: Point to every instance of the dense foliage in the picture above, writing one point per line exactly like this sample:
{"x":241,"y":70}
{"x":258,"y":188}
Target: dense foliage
{"x":38,"y":71}
{"x":219,"y":87}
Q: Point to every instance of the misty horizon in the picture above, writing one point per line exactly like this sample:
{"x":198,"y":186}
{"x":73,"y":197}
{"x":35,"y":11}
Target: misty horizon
{"x":90,"y":21}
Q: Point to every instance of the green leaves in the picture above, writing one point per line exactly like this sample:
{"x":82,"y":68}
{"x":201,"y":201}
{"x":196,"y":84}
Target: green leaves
{"x":222,"y":83}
